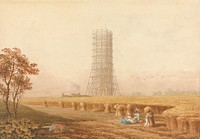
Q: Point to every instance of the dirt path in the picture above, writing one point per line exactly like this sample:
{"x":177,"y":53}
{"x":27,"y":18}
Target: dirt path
{"x":94,"y":125}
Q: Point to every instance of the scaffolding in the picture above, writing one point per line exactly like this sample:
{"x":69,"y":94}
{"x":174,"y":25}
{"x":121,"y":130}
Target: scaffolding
{"x":102,"y":80}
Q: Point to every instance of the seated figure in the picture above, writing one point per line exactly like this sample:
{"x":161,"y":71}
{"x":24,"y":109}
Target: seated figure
{"x":126,"y":121}
{"x":136,"y":117}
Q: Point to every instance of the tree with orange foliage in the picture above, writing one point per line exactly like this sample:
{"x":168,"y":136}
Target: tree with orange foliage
{"x":14,"y":81}
{"x":19,"y":85}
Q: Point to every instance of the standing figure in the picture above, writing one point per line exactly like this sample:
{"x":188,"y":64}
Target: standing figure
{"x":147,"y":119}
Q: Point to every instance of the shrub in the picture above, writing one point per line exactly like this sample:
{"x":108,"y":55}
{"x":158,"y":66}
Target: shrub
{"x":23,"y":128}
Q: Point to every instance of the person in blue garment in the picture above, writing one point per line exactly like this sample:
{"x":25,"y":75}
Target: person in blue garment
{"x":125,"y":121}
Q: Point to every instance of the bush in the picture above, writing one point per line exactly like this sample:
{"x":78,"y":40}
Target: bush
{"x":23,"y":128}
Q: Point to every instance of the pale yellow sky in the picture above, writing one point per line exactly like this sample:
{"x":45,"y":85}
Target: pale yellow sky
{"x":150,"y":37}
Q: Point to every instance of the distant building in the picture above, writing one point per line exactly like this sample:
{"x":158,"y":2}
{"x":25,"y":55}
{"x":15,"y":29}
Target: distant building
{"x":73,"y":94}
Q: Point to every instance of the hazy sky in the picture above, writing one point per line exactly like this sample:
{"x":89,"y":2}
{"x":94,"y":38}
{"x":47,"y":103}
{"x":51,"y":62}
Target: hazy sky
{"x":156,"y":42}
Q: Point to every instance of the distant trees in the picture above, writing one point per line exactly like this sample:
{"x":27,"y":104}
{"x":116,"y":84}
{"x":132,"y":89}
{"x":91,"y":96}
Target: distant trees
{"x":136,"y":94}
{"x":166,"y":92}
{"x":170,"y":91}
{"x":157,"y":93}
{"x":14,"y":81}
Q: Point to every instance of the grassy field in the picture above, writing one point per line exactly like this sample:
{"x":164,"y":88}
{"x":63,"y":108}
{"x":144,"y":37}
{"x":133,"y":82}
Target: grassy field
{"x":31,"y":114}
{"x":39,"y":117}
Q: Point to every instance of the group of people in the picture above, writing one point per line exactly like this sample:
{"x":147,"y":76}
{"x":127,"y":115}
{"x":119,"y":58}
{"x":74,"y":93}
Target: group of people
{"x":149,"y":118}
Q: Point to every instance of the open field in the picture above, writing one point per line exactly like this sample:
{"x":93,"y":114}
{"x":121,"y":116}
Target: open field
{"x":173,"y":100}
{"x":95,"y":125}
{"x":89,"y":124}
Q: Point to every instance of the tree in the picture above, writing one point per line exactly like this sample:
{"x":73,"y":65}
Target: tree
{"x":19,"y":85}
{"x":14,"y":70}
{"x":157,"y":93}
{"x":2,"y":90}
